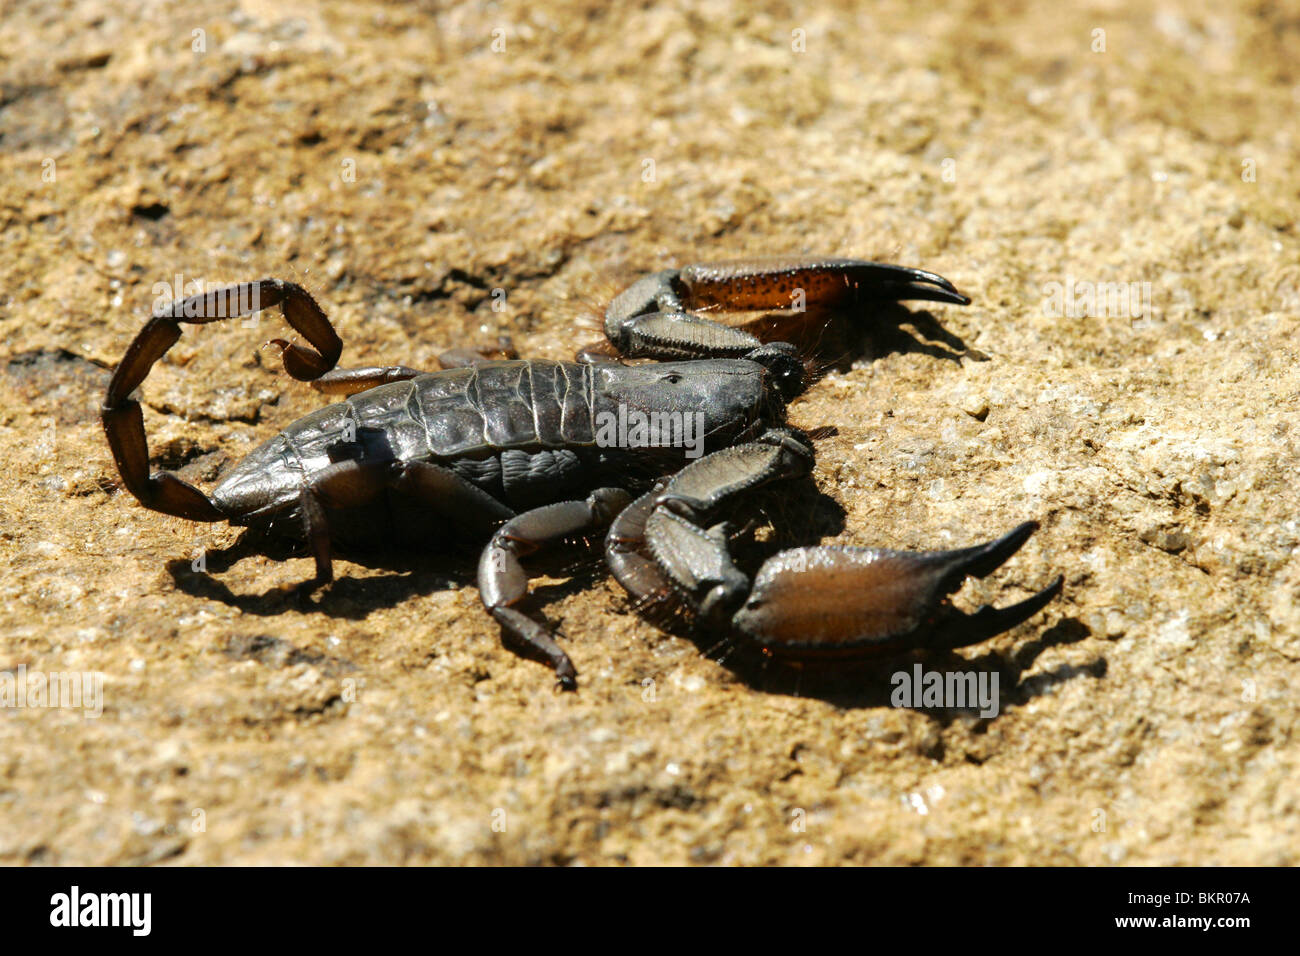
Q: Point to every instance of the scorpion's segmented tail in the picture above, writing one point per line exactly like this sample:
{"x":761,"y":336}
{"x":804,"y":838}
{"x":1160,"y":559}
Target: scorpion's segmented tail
{"x":124,"y":420}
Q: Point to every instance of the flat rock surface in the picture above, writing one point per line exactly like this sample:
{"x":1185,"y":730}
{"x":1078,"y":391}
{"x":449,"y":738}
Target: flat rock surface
{"x":440,"y":177}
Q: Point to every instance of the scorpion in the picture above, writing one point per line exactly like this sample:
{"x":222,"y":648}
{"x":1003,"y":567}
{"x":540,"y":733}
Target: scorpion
{"x":507,"y":451}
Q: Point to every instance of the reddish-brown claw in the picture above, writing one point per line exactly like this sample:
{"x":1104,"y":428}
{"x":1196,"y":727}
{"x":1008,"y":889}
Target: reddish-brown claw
{"x":657,"y":317}
{"x":861,"y":602}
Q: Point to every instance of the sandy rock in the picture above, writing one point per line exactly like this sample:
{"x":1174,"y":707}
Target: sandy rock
{"x":1122,"y":214}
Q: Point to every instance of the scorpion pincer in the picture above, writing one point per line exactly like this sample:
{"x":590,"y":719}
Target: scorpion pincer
{"x":510,"y":452}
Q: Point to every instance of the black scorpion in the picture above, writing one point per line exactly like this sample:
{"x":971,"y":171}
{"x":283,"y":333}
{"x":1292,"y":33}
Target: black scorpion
{"x":511,"y":452}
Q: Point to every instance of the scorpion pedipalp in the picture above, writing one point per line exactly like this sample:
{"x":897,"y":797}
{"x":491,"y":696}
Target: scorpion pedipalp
{"x":656,"y":317}
{"x":804,"y":603}
{"x":860,"y":602}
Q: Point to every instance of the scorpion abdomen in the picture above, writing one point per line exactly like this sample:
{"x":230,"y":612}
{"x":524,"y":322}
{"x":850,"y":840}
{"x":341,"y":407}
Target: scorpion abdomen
{"x":516,"y":429}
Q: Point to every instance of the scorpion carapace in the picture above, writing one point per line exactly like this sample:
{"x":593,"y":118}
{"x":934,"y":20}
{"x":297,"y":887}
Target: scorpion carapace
{"x":521,"y":454}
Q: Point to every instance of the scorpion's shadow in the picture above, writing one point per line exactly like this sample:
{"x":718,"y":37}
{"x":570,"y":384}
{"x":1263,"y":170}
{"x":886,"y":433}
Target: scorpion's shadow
{"x":872,"y":330}
{"x":413,"y":572}
{"x":891,"y":681}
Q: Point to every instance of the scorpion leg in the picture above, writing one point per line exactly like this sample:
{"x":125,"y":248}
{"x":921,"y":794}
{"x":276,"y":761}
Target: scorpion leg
{"x":655,"y":317}
{"x":349,"y":381}
{"x":351,"y":483}
{"x":315,"y":528}
{"x":343,"y":484}
{"x":467,"y":506}
{"x":503,"y":582}
{"x":123,"y":419}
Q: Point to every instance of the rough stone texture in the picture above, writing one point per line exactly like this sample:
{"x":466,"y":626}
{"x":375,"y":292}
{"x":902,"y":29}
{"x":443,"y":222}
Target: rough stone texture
{"x":385,"y":724}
